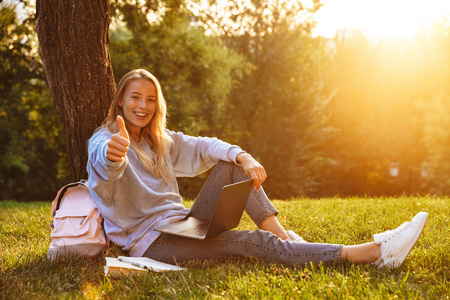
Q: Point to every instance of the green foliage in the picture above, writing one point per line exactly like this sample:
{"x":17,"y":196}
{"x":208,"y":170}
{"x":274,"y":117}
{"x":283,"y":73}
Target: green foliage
{"x":250,"y":73}
{"x":25,"y":272}
{"x":372,"y":109}
{"x":276,"y":112}
{"x":436,"y":140}
{"x":390,"y":106}
{"x":432,"y":99}
{"x":195,"y":71}
{"x":31,"y":140}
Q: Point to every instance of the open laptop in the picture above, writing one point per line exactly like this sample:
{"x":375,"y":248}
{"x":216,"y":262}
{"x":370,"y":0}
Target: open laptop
{"x":226,"y":216}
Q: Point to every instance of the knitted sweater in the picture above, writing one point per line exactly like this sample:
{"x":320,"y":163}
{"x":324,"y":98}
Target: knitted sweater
{"x":132,"y":201}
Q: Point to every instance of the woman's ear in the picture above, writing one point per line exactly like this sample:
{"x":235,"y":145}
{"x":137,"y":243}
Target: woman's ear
{"x":120,"y":103}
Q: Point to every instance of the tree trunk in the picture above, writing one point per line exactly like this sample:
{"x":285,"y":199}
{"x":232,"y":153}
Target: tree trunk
{"x":74,"y":48}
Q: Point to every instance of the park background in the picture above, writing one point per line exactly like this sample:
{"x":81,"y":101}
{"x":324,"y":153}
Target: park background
{"x":355,"y":112}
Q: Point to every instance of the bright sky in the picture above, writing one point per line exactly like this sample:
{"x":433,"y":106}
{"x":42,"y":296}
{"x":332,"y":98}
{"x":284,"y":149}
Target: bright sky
{"x":387,"y":18}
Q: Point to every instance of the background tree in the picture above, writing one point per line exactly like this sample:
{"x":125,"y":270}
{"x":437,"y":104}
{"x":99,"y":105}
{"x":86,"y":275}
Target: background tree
{"x":197,"y":72}
{"x":32,"y":160}
{"x":276,"y":111}
{"x":248,"y":72}
{"x":74,"y":48}
{"x":433,"y":100}
{"x":390,"y":108}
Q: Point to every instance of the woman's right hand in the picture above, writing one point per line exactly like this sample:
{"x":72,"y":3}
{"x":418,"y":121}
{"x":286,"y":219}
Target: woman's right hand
{"x":119,"y":144}
{"x":252,"y":168}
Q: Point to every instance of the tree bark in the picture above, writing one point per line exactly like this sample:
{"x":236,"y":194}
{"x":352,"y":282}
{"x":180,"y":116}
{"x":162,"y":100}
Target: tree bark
{"x":74,"y":48}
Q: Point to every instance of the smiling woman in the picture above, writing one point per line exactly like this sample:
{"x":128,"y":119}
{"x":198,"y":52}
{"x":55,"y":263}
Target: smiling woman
{"x":383,"y":18}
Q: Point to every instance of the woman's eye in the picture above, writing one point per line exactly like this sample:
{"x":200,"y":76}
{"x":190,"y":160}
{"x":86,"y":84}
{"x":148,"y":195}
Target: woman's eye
{"x":151,"y":100}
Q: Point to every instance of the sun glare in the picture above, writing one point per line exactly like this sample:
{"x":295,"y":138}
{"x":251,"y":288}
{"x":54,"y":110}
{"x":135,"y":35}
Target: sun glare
{"x":384,"y":18}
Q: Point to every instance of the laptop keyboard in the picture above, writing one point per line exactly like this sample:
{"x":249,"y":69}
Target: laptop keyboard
{"x":196,"y":230}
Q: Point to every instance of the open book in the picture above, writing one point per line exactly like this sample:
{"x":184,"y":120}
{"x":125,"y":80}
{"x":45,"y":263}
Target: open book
{"x":128,"y":265}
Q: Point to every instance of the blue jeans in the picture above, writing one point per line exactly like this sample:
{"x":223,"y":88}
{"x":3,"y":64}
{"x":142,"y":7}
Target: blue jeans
{"x":259,"y":243}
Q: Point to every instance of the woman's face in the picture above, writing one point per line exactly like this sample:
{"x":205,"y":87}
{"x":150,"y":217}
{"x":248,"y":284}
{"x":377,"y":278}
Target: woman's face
{"x":139,"y":104}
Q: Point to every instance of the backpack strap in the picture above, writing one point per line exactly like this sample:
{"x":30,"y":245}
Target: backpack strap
{"x":65,"y":188}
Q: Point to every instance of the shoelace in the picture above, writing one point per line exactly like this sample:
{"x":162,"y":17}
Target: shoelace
{"x":390,"y":233}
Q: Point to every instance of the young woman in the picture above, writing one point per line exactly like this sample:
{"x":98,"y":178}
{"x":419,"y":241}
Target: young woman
{"x":133,"y":164}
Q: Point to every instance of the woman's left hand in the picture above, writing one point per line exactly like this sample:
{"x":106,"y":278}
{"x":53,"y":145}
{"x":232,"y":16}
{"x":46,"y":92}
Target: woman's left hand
{"x":252,"y":168}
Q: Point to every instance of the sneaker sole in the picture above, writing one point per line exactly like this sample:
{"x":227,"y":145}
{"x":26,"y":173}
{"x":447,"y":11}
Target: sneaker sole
{"x":423,"y":216}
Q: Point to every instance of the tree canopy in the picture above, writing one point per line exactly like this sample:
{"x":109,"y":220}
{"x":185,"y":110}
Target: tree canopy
{"x":33,"y":159}
{"x":324,"y":116}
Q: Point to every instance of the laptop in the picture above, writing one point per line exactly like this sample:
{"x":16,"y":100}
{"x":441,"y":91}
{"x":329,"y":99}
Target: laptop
{"x":226,"y":216}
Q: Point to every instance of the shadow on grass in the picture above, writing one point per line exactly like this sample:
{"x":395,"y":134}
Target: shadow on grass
{"x":75,"y":277}
{"x":33,"y":275}
{"x":40,"y":277}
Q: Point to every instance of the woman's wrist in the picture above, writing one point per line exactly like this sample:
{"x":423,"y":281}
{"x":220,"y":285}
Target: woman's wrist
{"x":242,"y":157}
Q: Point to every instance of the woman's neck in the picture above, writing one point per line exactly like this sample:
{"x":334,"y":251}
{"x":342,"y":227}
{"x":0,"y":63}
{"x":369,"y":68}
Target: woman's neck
{"x":136,"y":137}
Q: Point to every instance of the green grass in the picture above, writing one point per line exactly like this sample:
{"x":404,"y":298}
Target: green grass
{"x":26,"y":273}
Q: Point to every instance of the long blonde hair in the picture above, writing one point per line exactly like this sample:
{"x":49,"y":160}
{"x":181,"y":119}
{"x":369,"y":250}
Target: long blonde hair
{"x":154,"y":132}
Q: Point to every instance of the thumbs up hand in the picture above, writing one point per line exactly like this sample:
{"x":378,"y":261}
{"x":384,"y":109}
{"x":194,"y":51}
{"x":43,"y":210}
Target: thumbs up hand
{"x":119,"y":143}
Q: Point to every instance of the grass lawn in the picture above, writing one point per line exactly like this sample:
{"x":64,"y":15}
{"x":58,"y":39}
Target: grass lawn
{"x":26,"y":273}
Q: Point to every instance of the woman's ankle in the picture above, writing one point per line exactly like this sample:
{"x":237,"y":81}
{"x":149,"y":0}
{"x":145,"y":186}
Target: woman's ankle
{"x":364,"y":253}
{"x":271,"y":224}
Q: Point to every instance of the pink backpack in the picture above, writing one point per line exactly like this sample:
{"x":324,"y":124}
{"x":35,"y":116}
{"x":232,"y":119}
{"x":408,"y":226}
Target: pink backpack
{"x":77,"y":224}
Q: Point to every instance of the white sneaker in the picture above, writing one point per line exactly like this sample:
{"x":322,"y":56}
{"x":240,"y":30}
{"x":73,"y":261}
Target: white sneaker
{"x":293,"y":237}
{"x":396,"y":244}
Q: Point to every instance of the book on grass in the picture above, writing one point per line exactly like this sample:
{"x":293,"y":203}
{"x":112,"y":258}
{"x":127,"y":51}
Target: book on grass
{"x":131,"y":265}
{"x":116,"y":267}
{"x":149,"y":264}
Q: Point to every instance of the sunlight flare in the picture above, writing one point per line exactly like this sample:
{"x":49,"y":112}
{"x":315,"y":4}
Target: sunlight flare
{"x":384,"y":18}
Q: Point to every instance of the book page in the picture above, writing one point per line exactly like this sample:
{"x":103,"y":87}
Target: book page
{"x":114,"y":266}
{"x":150,"y":264}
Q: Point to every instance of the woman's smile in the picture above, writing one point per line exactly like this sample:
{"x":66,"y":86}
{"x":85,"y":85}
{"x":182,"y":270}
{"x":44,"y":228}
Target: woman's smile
{"x":141,"y":116}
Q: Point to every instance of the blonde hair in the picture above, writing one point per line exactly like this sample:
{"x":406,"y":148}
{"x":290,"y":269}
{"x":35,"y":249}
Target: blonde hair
{"x":154,"y":132}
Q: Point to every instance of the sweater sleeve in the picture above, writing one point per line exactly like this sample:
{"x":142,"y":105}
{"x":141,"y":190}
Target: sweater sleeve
{"x":194,"y":155}
{"x":99,"y":167}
